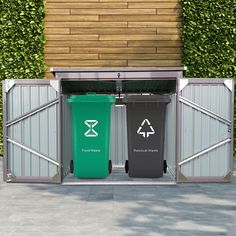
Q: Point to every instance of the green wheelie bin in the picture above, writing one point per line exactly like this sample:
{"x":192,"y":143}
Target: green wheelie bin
{"x":91,"y":134}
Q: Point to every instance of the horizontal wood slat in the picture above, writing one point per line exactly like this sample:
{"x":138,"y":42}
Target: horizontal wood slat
{"x":141,"y":56}
{"x":115,"y":44}
{"x":66,"y":18}
{"x":168,"y":30}
{"x":113,"y":50}
{"x":137,"y":18}
{"x":156,"y":5}
{"x":50,"y":31}
{"x":87,"y":5}
{"x":49,"y":50}
{"x":73,"y":1}
{"x":174,"y":50}
{"x":112,"y":33}
{"x":154,"y":63}
{"x":115,"y":31}
{"x":86,"y":24}
{"x":160,"y":1}
{"x":72,"y":37}
{"x":167,"y":11}
{"x":154,"y":44}
{"x":154,"y":24}
{"x":71,"y":56}
{"x":86,"y":63}
{"x":139,"y":37}
{"x":113,"y":11}
{"x":55,"y":11}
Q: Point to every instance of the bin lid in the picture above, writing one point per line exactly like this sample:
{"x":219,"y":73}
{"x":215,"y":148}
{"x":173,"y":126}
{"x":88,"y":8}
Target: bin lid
{"x":146,"y":98}
{"x":92,"y":98}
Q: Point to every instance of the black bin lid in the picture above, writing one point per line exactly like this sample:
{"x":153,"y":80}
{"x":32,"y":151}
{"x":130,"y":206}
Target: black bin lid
{"x":147,"y":98}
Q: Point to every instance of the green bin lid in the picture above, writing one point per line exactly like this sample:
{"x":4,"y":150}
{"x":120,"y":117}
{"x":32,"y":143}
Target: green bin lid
{"x":91,"y":98}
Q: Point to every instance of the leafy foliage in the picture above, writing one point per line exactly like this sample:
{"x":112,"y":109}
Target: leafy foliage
{"x":209,"y":29}
{"x":209,"y":42}
{"x":21,"y":40}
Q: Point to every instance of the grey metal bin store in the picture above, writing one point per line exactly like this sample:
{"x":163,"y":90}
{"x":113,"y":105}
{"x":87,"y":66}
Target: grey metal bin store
{"x":146,"y":131}
{"x":198,"y":126}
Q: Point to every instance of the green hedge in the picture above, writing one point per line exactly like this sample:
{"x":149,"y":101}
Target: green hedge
{"x":21,"y":40}
{"x":209,"y":42}
{"x":209,"y":48}
{"x":1,"y":128}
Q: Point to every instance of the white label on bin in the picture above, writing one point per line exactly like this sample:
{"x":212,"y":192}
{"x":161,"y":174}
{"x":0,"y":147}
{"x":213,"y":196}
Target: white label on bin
{"x":90,"y":150}
{"x":145,"y":150}
{"x":91,"y":132}
{"x":143,"y":130}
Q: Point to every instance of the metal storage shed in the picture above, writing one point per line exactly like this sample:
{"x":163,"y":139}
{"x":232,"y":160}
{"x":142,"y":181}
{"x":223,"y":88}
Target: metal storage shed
{"x":37,"y":125}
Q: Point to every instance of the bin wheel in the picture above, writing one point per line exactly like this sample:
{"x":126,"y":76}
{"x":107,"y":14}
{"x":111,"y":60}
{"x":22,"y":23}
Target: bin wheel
{"x":71,"y":166}
{"x":110,"y":167}
{"x":164,"y":166}
{"x":126,"y":166}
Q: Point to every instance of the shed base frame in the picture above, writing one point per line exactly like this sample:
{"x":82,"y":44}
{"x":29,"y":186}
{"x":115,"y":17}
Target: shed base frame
{"x":119,"y":177}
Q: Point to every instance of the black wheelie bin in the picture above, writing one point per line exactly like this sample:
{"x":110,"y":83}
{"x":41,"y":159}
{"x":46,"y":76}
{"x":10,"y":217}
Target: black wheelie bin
{"x":146,"y":132}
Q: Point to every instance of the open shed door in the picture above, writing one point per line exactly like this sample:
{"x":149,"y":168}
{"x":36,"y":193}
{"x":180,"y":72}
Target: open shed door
{"x":205,"y":130}
{"x":31,"y":131}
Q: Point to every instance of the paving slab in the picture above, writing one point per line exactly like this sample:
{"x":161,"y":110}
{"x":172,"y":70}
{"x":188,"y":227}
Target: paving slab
{"x":185,"y":209}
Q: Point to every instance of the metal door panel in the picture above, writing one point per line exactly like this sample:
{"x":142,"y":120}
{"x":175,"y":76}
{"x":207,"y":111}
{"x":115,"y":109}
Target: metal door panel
{"x":205,"y":130}
{"x":31,"y":131}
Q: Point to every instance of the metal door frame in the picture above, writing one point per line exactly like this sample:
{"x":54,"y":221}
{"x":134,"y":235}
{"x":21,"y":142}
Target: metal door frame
{"x":151,"y":73}
{"x":7,"y":176}
{"x":182,"y":83}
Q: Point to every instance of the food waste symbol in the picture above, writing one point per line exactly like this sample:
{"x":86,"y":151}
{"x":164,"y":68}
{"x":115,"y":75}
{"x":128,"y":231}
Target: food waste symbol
{"x":91,"y":132}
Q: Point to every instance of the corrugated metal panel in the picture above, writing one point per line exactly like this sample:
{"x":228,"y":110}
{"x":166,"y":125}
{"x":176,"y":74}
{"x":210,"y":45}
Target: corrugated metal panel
{"x":200,"y":131}
{"x":67,"y":149}
{"x":170,"y":136}
{"x":118,"y":136}
{"x":214,"y":97}
{"x":37,"y":132}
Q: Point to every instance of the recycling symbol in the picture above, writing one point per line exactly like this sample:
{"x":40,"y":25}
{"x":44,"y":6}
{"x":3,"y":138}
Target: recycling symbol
{"x":143,"y":128}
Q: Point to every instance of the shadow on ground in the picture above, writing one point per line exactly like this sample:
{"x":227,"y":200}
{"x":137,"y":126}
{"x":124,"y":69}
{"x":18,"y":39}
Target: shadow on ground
{"x":187,"y":209}
{"x":208,"y":209}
